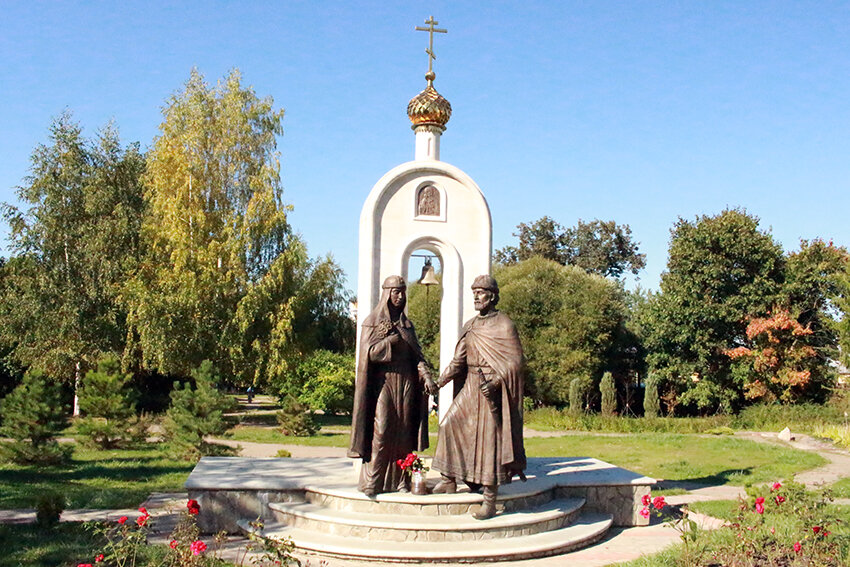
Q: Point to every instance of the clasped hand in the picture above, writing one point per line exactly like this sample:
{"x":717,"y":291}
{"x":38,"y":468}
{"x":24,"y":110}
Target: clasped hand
{"x":488,"y":388}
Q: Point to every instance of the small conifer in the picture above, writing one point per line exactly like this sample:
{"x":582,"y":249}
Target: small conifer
{"x":651,"y":404}
{"x":195,"y":413}
{"x":106,"y":406}
{"x":33,"y":413}
{"x":576,"y":395}
{"x":294,"y":419}
{"x":608,"y":391}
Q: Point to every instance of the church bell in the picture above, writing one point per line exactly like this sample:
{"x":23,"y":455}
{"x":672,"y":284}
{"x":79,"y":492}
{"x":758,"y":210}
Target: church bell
{"x":428,"y":277}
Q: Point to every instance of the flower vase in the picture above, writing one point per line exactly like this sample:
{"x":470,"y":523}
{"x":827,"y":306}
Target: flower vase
{"x":417,"y":483}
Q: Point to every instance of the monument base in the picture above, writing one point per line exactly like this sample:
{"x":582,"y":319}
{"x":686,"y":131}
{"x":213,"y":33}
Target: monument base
{"x":566,"y":503}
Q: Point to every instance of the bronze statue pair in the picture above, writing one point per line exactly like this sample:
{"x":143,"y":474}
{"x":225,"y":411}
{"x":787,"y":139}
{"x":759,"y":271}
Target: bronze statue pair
{"x":481,"y":436}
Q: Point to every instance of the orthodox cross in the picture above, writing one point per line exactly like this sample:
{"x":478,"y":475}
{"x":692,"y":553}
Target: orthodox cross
{"x":431,"y":30}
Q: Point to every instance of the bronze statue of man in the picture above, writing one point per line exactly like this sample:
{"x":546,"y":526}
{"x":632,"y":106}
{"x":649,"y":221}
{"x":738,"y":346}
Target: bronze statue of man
{"x":481,"y":434}
{"x":392,"y":383}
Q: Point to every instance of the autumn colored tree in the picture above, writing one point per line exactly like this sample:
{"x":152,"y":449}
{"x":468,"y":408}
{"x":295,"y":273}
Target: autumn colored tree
{"x":781,"y":365}
{"x":722,"y":269}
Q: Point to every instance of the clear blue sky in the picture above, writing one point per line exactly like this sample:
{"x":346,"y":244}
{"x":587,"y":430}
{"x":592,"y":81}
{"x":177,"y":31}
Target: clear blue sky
{"x":639,"y":112}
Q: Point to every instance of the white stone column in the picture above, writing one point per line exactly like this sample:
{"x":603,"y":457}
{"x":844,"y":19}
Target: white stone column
{"x":427,"y":142}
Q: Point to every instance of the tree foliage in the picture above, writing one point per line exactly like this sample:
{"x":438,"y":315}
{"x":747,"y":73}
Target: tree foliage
{"x":325,"y":382}
{"x":32,"y":416}
{"x":781,"y":365}
{"x":423,"y":309}
{"x":567,"y":320}
{"x":75,"y":241}
{"x":598,"y":247}
{"x":721,"y":269}
{"x":224,"y":276}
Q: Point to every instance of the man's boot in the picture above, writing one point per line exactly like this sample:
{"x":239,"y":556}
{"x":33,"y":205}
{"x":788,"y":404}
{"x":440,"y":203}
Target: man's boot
{"x":488,"y":507}
{"x":447,"y":485}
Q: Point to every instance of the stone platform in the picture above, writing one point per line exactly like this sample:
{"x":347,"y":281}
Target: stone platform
{"x":566,"y":503}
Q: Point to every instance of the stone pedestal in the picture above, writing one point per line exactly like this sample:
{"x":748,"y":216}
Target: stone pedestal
{"x":567,"y":503}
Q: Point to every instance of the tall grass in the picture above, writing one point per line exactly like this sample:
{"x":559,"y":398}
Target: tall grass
{"x":803,"y":418}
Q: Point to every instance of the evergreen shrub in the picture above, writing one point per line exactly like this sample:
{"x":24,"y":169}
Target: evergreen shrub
{"x":32,"y":416}
{"x":608,"y":391}
{"x":576,"y":395}
{"x":108,"y":411}
{"x":49,"y":506}
{"x":651,"y":403}
{"x":196,"y":413}
{"x":294,"y":419}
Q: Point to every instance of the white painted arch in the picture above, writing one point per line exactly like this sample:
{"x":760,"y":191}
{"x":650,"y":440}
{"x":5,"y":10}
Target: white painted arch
{"x":461,"y":236}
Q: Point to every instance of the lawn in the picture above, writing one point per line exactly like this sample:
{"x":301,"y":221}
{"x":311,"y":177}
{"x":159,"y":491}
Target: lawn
{"x":96,"y":479}
{"x":841,"y":489}
{"x":703,"y":459}
{"x":260,"y":434}
{"x":62,"y":545}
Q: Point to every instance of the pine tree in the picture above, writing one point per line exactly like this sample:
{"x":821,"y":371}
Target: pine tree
{"x":195,"y":413}
{"x":32,"y":416}
{"x":609,"y":394}
{"x":106,"y":406}
{"x":651,"y":404}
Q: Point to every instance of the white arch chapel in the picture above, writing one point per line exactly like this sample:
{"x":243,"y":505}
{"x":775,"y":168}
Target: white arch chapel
{"x":426,"y":204}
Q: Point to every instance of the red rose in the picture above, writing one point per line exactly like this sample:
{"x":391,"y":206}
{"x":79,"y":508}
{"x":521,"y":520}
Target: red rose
{"x":797,"y":547}
{"x":198,"y":547}
{"x":194,"y":507}
{"x":646,"y":499}
{"x":658,"y":502}
{"x":779,"y":499}
{"x":122,"y":519}
{"x":99,"y":558}
{"x":645,"y":512}
{"x":173,"y":544}
{"x":816,"y":529}
{"x":776,"y":486}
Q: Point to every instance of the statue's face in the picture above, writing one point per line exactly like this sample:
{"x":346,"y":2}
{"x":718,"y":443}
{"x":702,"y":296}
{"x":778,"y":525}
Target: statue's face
{"x":398,"y":297}
{"x":483,"y":299}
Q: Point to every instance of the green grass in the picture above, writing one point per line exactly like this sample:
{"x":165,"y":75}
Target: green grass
{"x":805,"y":418}
{"x":841,"y":489}
{"x":64,"y":544}
{"x":258,"y":434}
{"x":709,"y":460}
{"x":96,"y":479}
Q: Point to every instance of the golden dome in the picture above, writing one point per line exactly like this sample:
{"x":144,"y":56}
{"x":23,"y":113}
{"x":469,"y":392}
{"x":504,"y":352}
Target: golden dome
{"x":429,"y":108}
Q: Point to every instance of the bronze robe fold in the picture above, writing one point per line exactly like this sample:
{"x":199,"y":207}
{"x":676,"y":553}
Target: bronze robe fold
{"x":478,"y":444}
{"x":390,"y":415}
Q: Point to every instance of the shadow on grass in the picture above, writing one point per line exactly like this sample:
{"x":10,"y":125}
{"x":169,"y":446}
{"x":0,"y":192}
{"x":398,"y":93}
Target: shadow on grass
{"x":721,"y":478}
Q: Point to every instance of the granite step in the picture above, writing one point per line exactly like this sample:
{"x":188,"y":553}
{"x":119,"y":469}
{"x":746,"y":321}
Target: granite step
{"x":588,"y":528}
{"x":549,"y":516}
{"x":511,"y":498}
